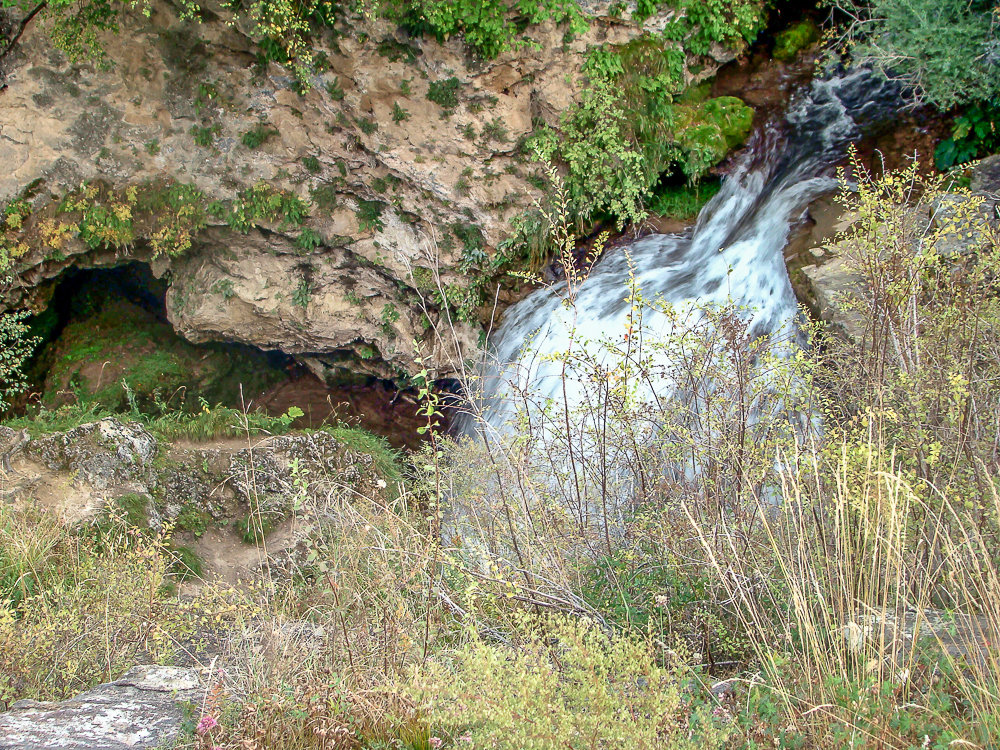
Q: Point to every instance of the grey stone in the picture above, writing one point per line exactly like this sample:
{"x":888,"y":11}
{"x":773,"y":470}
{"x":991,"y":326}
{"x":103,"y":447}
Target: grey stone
{"x":142,"y":709}
{"x":986,"y":177}
{"x":103,"y":454}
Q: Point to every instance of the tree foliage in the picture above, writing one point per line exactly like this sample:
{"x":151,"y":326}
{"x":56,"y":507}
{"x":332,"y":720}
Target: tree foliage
{"x":948,"y":51}
{"x":16,"y":346}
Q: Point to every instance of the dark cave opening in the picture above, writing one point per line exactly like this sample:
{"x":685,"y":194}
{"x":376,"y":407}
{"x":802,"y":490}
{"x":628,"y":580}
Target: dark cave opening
{"x":106,"y":326}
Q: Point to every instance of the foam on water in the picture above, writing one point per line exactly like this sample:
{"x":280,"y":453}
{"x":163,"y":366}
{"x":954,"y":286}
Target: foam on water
{"x":732,"y":257}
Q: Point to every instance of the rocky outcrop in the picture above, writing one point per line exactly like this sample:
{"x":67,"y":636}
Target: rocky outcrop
{"x":410,"y":151}
{"x":145,"y":708}
{"x":102,"y":454}
{"x":118,"y":468}
{"x":959,"y":224}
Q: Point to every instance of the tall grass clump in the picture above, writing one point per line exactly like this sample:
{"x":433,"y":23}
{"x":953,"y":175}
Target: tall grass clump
{"x":870,"y":594}
{"x":80,"y":606}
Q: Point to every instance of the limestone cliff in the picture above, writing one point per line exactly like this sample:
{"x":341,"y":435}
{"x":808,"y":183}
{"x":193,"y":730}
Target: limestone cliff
{"x":408,"y":152}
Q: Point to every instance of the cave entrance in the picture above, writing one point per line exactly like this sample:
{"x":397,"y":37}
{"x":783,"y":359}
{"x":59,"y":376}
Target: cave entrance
{"x":107,"y":344}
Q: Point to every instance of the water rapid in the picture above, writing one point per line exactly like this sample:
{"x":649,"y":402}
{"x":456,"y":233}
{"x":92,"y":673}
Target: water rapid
{"x":731,"y":258}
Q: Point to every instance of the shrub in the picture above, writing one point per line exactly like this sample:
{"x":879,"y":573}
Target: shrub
{"x":204,"y":135}
{"x":488,"y":26}
{"x":369,"y":215}
{"x":945,"y":51}
{"x":565,"y":684}
{"x":399,"y":114}
{"x":975,"y":133}
{"x":334,"y":89}
{"x":84,"y":615}
{"x":444,"y":93}
{"x":255,"y":137}
{"x":16,"y":347}
{"x":925,"y":301}
{"x":309,"y":239}
{"x":12,"y":223}
{"x":263,"y":202}
{"x":176,"y":211}
{"x":630,"y":127}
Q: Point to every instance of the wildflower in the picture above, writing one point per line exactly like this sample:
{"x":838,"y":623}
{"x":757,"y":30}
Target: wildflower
{"x":436,"y":742}
{"x":207,"y":723}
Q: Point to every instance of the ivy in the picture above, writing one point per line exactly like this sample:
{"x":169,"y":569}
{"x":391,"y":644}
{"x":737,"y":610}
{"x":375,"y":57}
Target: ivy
{"x":262,"y":202}
{"x":489,"y":27}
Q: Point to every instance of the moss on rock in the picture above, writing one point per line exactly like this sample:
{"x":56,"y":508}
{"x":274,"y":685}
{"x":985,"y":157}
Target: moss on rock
{"x":794,"y":39}
{"x":123,"y":343}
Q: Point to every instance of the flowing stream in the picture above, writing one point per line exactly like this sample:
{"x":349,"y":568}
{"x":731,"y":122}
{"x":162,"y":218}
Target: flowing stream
{"x":732,"y":256}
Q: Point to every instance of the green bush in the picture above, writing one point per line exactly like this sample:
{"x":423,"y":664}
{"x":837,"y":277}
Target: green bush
{"x":256,"y":136}
{"x":944,"y":49}
{"x":489,"y":27}
{"x":88,"y":614}
{"x":632,"y":125}
{"x":263,"y":202}
{"x":369,"y":215}
{"x":564,"y":686}
{"x":16,"y":347}
{"x":444,"y":92}
{"x":975,"y":133}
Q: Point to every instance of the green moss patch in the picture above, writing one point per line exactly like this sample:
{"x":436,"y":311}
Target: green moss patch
{"x":794,"y":39}
{"x":709,"y":130}
{"x":123,"y":356}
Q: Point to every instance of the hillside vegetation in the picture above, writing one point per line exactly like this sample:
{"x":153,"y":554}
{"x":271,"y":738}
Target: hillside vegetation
{"x":797,"y":546}
{"x":831,"y":584}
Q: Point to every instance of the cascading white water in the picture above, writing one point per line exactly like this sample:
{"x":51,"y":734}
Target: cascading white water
{"x":732,"y":257}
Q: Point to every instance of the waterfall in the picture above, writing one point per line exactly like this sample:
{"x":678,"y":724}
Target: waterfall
{"x":731,"y":258}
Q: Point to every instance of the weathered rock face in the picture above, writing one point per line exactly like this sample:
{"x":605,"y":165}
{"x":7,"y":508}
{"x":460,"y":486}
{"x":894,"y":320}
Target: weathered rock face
{"x":204,"y":491}
{"x":398,"y":181}
{"x":102,"y":454}
{"x":145,"y":708}
{"x":827,"y":278}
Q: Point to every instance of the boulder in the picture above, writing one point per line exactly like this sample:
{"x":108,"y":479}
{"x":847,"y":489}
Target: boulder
{"x":146,"y":708}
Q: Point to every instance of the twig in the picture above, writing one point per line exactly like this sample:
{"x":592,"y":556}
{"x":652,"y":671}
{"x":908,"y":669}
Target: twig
{"x":21,"y":27}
